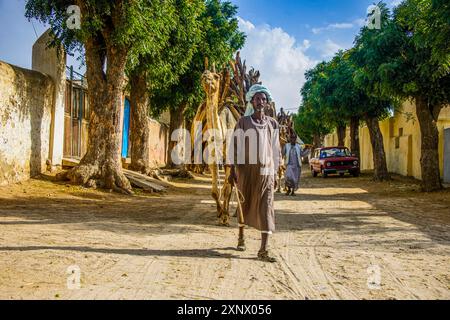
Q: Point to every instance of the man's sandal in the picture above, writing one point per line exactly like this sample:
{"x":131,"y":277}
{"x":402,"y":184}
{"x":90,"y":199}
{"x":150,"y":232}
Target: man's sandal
{"x":264,"y":256}
{"x":241,"y":245}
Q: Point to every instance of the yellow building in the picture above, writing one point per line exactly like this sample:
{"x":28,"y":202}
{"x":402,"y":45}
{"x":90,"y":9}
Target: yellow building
{"x":401,"y":135}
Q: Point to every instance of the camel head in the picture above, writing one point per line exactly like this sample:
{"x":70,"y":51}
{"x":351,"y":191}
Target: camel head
{"x":211,"y":83}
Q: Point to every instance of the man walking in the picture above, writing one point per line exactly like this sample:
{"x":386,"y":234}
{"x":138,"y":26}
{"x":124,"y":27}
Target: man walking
{"x":293,"y":161}
{"x":256,"y":181}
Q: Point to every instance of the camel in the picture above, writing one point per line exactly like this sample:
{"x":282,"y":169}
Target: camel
{"x":211,"y":83}
{"x":224,"y":105}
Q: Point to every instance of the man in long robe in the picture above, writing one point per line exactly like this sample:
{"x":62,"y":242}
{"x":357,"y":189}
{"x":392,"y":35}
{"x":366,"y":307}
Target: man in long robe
{"x":293,"y":154}
{"x":254,"y":175}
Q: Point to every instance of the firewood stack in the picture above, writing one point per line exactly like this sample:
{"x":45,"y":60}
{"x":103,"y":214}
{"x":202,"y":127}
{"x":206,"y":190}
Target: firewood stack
{"x":235,"y":84}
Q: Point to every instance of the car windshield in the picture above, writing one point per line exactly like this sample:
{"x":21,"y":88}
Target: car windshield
{"x":335,"y":152}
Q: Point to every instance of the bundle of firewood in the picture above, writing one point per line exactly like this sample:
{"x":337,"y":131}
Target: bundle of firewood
{"x":234,"y":85}
{"x":241,"y":82}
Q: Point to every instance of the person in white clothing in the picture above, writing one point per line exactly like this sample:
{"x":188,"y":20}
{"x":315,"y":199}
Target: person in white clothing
{"x":293,"y":154}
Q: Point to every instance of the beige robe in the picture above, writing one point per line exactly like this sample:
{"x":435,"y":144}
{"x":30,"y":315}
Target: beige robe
{"x":256,"y":181}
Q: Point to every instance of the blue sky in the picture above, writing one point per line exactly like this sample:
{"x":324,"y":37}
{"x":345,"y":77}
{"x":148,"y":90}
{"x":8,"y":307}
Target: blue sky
{"x":316,"y":21}
{"x":17,"y":35}
{"x":285,"y":37}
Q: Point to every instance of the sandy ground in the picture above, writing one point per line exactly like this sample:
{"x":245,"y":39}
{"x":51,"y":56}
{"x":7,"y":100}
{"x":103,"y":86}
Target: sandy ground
{"x":338,"y":238}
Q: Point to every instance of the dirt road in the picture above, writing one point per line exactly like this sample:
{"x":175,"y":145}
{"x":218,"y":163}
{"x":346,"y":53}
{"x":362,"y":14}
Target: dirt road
{"x":337,"y":239}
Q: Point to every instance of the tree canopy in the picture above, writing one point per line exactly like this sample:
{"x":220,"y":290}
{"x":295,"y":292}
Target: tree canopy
{"x":396,"y":62}
{"x":180,"y":36}
{"x":220,"y":39}
{"x":127,"y":24}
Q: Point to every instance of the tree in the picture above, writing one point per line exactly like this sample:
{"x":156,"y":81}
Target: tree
{"x":156,"y":69}
{"x":354,"y":104}
{"x":343,"y":98}
{"x":109,"y":30}
{"x":309,"y":126}
{"x":334,"y":105}
{"x":407,"y":60}
{"x":375,"y":108}
{"x":310,"y":122}
{"x":430,"y":19}
{"x":221,"y":38}
{"x":332,"y":112}
{"x":331,"y":99}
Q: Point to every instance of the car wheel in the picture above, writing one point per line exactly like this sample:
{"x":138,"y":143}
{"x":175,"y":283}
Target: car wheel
{"x":324,"y":175}
{"x":356,"y":174}
{"x":342,"y":174}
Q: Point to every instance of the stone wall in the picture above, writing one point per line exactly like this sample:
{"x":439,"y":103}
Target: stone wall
{"x":26,"y":102}
{"x":52,"y":62}
{"x":158,"y":143}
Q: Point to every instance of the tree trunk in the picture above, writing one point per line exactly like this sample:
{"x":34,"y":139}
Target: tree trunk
{"x":341,"y":131}
{"x":176,"y":122}
{"x":354,"y":135}
{"x":429,"y":161}
{"x":101,"y":165}
{"x":140,"y":131}
{"x":317,"y":141}
{"x":379,"y":156}
{"x":189,"y":166}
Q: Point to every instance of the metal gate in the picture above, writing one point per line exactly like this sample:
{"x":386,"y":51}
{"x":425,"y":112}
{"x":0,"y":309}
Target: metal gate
{"x":76,"y":116}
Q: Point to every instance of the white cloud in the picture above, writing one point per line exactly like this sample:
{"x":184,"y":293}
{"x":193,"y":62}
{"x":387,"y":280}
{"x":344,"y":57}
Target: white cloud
{"x":280,"y":59}
{"x":306,"y":44}
{"x":246,"y":25}
{"x":333,"y":26}
{"x":341,"y":25}
{"x":360,"y":22}
{"x":330,"y":48}
{"x":395,"y":3}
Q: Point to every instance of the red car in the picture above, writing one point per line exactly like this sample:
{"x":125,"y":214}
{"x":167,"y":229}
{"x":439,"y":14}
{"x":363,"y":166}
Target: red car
{"x":334,"y":160}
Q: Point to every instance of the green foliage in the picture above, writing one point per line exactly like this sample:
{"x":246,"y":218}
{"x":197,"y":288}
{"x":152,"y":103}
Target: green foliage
{"x":331,"y":97}
{"x":168,"y":40}
{"x":397,"y":61}
{"x":222,"y":34}
{"x":308,"y":123}
{"x":122,"y":23}
{"x":334,"y":91}
{"x":310,"y":119}
{"x":220,"y":39}
{"x":180,"y":35}
{"x":429,"y":20}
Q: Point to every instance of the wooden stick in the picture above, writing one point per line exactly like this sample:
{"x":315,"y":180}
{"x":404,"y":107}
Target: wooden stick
{"x":241,"y":213}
